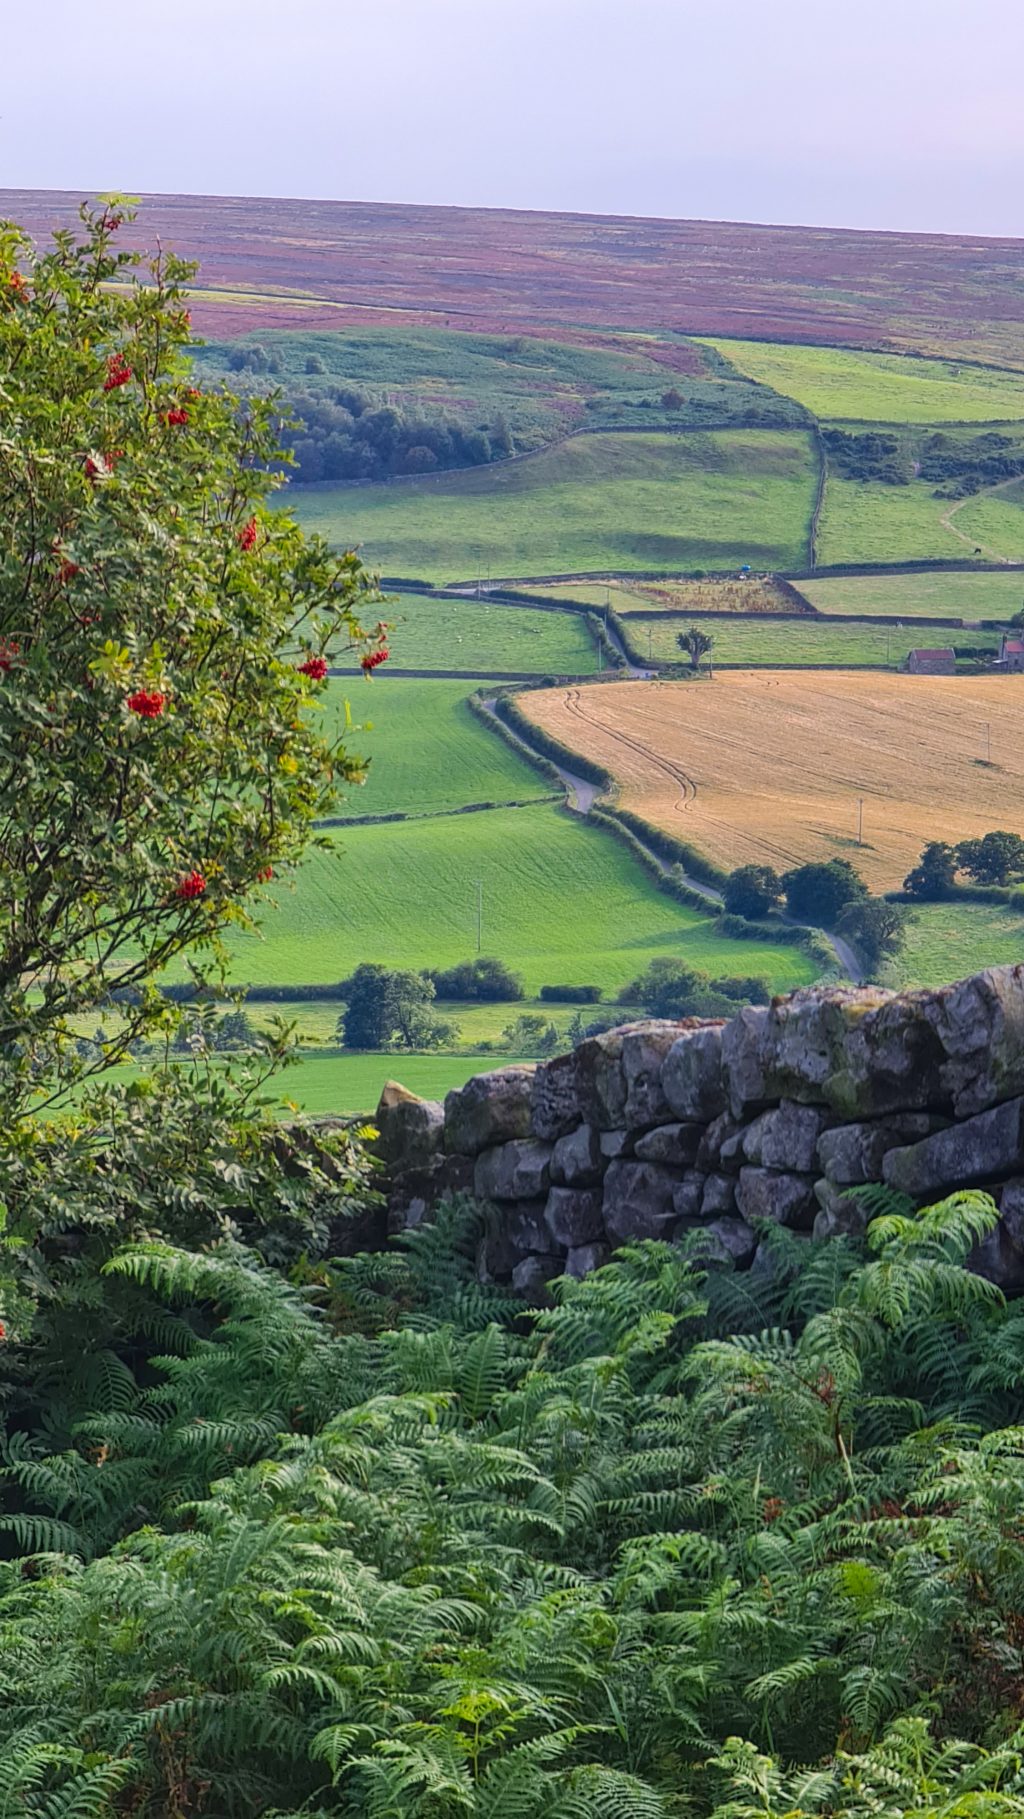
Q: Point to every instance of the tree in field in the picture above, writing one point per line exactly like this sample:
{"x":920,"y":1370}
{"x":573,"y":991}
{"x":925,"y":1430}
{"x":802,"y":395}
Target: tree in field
{"x":667,"y":988}
{"x":934,"y":875}
{"x":994,"y":859}
{"x":819,"y":892}
{"x":752,"y":891}
{"x":390,"y":1008}
{"x":696,"y":644}
{"x":164,"y":641}
{"x":877,"y":929}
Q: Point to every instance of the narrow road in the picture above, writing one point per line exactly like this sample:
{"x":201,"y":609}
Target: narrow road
{"x":946,"y":520}
{"x":580,"y":797}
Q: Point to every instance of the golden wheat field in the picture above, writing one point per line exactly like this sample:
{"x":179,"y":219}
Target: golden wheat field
{"x":771,"y":765}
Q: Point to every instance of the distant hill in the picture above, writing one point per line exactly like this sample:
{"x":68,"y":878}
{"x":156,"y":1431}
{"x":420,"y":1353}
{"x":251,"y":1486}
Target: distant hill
{"x":273,"y":263}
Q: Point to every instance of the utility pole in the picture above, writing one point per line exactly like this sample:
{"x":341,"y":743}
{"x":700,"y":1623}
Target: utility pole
{"x":650,"y":636}
{"x":860,"y":821}
{"x":988,"y":742}
{"x":479,"y":915}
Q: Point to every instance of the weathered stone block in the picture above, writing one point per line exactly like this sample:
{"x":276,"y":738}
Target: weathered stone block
{"x":692,"y":1076}
{"x":727,"y":1240}
{"x":717,"y":1138}
{"x":675,"y":1145}
{"x":555,"y":1103}
{"x":513,"y":1171}
{"x":688,"y":1194}
{"x":1000,"y":1256}
{"x":411,"y":1130}
{"x":719,"y":1196}
{"x":842,"y":1214}
{"x":983,"y":1148}
{"x":643,"y":1054}
{"x":860,"y":1051}
{"x":531,"y":1277}
{"x":619,"y":1075}
{"x":786,"y":1138}
{"x":524,"y":1226}
{"x":765,"y":1193}
{"x":638,"y":1201}
{"x":979,"y":1024}
{"x":576,"y":1160}
{"x":489,"y":1109}
{"x":615,"y":1144}
{"x":853,"y":1153}
{"x":574,"y":1215}
{"x":586,"y":1257}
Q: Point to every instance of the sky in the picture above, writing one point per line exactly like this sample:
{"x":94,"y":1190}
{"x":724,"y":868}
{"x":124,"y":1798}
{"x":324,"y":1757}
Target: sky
{"x":860,"y":113}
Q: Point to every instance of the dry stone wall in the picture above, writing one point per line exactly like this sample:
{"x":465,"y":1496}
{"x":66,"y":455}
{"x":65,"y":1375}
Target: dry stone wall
{"x":661,"y":1128}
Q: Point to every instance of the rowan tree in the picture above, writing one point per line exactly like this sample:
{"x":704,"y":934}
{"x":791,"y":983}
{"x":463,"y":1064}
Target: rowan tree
{"x":164,"y":641}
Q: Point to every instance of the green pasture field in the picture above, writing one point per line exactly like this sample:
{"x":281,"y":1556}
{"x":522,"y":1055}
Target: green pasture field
{"x":864,"y":521}
{"x":995,"y":520}
{"x":427,"y":751}
{"x":593,"y":502}
{"x":834,"y":382}
{"x":563,"y":902}
{"x":948,"y":941}
{"x":963,"y":594}
{"x":542,"y":387}
{"x":351,"y":1084}
{"x":767,"y":642}
{"x":479,"y":1024}
{"x":444,"y":634}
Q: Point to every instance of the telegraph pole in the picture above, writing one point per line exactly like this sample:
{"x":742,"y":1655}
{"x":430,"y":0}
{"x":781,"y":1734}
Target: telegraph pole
{"x":988,"y":742}
{"x":860,"y":821}
{"x":479,"y":914}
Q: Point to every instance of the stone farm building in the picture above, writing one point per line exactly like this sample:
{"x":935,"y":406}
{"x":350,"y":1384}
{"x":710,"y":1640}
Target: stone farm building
{"x":939,"y":662}
{"x":1011,"y":653}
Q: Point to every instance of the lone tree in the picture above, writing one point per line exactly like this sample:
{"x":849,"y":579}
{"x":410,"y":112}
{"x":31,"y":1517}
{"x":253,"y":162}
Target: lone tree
{"x":164,"y":640}
{"x":820,"y":892}
{"x":752,"y":891}
{"x":994,"y":859}
{"x":696,"y":644}
{"x":390,"y":1008}
{"x":934,"y":875}
{"x":877,"y":929}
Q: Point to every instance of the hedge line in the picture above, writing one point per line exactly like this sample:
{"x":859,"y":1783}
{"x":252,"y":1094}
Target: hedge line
{"x":670,"y":847}
{"x":492,"y":719}
{"x":670,"y":883}
{"x":506,"y":708}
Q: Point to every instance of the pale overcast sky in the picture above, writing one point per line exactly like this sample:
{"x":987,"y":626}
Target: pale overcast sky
{"x":863,"y":113}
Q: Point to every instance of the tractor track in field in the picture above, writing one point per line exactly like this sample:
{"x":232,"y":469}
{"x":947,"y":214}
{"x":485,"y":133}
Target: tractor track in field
{"x":683,"y":781}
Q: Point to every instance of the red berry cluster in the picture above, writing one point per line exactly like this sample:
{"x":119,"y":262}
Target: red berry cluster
{"x":3,"y":1330}
{"x":102,"y":466}
{"x":248,"y":534}
{"x":149,"y":703}
{"x":192,"y":885}
{"x":17,"y":285}
{"x":314,"y":667}
{"x":67,"y":572}
{"x":265,"y":874}
{"x":10,"y":651}
{"x":113,"y":222}
{"x":118,"y":373}
{"x":178,"y":415}
{"x":374,"y":659}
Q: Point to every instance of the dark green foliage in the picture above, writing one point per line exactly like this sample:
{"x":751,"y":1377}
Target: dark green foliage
{"x":339,"y":433}
{"x":820,"y":892}
{"x":752,"y":890}
{"x":876,"y":927}
{"x":570,"y":994}
{"x":994,"y":859}
{"x":964,"y":464}
{"x":696,"y":644}
{"x":667,"y":988}
{"x":390,"y":1008}
{"x":484,"y":980}
{"x":871,"y":455}
{"x":934,"y":875}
